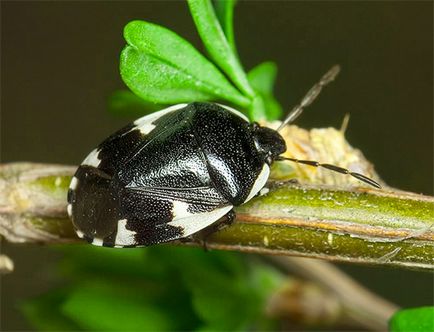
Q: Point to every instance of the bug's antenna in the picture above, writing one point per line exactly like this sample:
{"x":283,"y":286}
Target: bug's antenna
{"x":334,"y":168}
{"x":311,"y":95}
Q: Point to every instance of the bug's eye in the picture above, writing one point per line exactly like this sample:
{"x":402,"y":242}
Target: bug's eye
{"x":269,"y":142}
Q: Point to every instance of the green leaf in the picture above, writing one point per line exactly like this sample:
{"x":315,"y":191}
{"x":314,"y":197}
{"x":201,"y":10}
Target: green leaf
{"x":161,"y":67}
{"x":233,"y":302}
{"x":228,"y":292}
{"x":146,"y":272}
{"x":99,"y":306}
{"x":84,"y":260}
{"x":262,"y":78}
{"x":126,"y":103}
{"x":257,"y":110}
{"x":158,"y":288}
{"x":414,"y":320}
{"x":225,"y":14}
{"x":273,"y":108}
{"x":217,"y":45}
{"x":43,"y":312}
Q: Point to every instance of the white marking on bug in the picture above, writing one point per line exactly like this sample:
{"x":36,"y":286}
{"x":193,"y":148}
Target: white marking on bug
{"x":233,"y":110}
{"x":265,"y":240}
{"x":330,"y":239}
{"x":92,"y":159}
{"x":259,"y":183}
{"x":124,"y":237}
{"x":74,"y":183}
{"x":69,"y":210}
{"x":145,"y":123}
{"x":97,"y":241}
{"x":180,"y":210}
{"x":196,"y":222}
{"x":146,"y":128}
{"x":80,"y":234}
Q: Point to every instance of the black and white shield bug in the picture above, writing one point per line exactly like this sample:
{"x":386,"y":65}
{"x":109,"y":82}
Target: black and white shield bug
{"x":173,"y":173}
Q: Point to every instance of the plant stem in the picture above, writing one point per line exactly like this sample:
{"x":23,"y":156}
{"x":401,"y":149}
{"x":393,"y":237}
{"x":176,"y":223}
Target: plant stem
{"x":357,"y":226}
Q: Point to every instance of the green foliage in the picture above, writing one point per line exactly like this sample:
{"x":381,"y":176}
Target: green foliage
{"x":217,"y":45}
{"x":262,"y":78}
{"x":225,"y":14}
{"x":414,"y":320}
{"x":159,"y":288}
{"x":44,"y":313}
{"x":108,"y":306}
{"x":161,"y":67}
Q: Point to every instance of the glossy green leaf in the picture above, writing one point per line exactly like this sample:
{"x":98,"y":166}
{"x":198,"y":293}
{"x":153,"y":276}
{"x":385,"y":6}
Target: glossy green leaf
{"x":413,"y":320}
{"x":262,"y":78}
{"x":225,"y":14}
{"x":161,"y":67}
{"x":214,"y":39}
{"x":126,"y":103}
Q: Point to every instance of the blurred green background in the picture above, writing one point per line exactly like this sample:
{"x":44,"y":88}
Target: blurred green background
{"x":59,"y":64}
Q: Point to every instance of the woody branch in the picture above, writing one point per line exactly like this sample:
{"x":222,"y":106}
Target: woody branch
{"x":359,"y":226}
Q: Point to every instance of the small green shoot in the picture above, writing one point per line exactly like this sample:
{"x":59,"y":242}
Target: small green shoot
{"x":225,"y":13}
{"x":217,"y":45}
{"x":162,"y":68}
{"x":262,"y":78}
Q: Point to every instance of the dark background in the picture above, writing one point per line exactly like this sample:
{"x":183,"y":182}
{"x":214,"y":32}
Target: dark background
{"x":59,"y":63}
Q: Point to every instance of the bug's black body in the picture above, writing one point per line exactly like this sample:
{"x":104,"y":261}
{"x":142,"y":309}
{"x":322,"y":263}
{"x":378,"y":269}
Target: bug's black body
{"x":179,"y":171}
{"x":167,"y":176}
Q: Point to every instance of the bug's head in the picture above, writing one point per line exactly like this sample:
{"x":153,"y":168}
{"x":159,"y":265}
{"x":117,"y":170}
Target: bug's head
{"x":268,"y":142}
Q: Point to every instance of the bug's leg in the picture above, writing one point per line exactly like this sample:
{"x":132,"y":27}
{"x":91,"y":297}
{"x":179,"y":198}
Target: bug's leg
{"x":205,"y":233}
{"x":226,"y":220}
